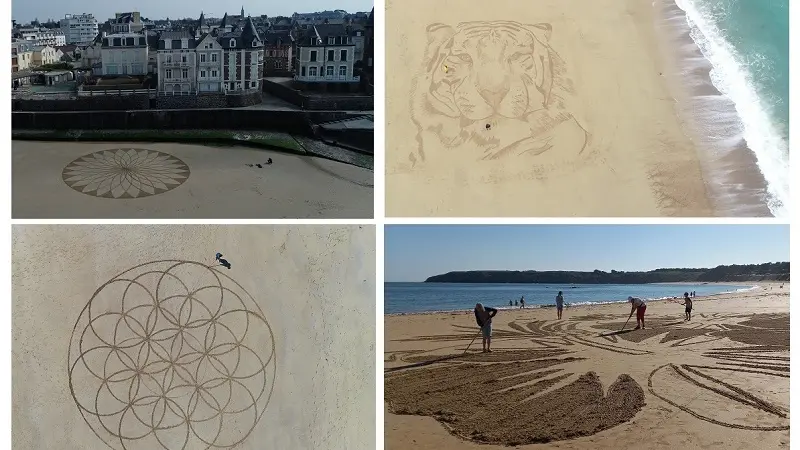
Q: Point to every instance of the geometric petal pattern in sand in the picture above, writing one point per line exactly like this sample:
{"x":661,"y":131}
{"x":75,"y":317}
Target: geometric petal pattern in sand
{"x":125,"y":173}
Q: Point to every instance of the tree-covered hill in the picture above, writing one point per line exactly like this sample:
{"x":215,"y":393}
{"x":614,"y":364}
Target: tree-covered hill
{"x":750,"y":272}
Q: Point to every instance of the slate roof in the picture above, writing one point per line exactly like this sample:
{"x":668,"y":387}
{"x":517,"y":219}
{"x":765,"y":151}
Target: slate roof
{"x":271,"y":38}
{"x":244,"y":37}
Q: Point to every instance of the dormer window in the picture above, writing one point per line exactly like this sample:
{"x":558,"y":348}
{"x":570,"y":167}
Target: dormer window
{"x":255,"y":42}
{"x":331,"y":40}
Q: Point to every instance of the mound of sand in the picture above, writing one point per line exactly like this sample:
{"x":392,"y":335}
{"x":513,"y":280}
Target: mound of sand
{"x":514,"y":403}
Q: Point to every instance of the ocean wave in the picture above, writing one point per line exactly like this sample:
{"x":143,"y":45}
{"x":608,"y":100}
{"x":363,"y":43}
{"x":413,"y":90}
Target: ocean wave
{"x":730,"y":75}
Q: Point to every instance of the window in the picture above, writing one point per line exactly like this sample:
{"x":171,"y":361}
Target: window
{"x":233,"y":86}
{"x":344,"y":55}
{"x":255,"y":42}
{"x":185,"y":74}
{"x":331,"y":41}
{"x":313,"y":55}
{"x":254,"y":84}
{"x":343,"y":71}
{"x":213,"y":57}
{"x":331,"y":54}
{"x":202,"y":57}
{"x":202,"y":74}
{"x":169,"y":58}
{"x":214,"y":73}
{"x":312,"y":71}
{"x":168,"y":73}
{"x":329,"y":71}
{"x":303,"y":71}
{"x":184,"y":58}
{"x":233,"y":42}
{"x":111,"y":69}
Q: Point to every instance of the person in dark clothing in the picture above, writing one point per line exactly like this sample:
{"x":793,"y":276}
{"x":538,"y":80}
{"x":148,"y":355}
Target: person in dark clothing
{"x":223,"y":262}
{"x":483,"y":316}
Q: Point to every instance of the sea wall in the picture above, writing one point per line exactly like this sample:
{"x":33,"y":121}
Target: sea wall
{"x":319,"y":101}
{"x":296,"y":122}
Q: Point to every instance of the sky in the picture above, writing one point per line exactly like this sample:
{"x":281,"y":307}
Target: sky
{"x":25,"y":11}
{"x":413,"y":253}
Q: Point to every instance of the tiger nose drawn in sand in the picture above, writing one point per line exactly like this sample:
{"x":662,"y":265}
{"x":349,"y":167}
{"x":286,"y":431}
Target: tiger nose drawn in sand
{"x":497,"y":87}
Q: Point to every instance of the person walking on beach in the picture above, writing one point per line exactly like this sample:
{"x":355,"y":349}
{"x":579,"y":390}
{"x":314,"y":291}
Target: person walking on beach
{"x":560,"y":303}
{"x":639,"y":306}
{"x":522,"y":302}
{"x":688,"y":302}
{"x":483,"y":315}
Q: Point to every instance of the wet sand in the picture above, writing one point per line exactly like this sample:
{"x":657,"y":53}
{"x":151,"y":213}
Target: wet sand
{"x":719,"y":380}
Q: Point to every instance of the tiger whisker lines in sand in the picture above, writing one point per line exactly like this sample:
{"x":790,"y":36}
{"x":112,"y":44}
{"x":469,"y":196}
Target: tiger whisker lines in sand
{"x":527,"y":388}
{"x":490,"y":90}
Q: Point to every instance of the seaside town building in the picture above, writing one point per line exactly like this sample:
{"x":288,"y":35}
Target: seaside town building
{"x":79,"y":28}
{"x":278,"y":46}
{"x":124,"y":54}
{"x":325,"y":54}
{"x":21,"y":56}
{"x":43,"y":55}
{"x":129,"y":22}
{"x":177,"y":64}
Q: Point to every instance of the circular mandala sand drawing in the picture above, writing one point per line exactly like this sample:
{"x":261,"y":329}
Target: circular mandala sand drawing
{"x":173,"y":355}
{"x":125,"y":173}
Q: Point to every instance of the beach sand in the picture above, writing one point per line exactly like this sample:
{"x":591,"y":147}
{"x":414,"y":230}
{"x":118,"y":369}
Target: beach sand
{"x":596,"y":133}
{"x":248,"y":358}
{"x":720,"y":380}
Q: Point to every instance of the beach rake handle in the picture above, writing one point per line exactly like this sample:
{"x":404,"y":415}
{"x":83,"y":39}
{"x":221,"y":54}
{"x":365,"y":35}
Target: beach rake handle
{"x":471,"y":342}
{"x":626,"y":322}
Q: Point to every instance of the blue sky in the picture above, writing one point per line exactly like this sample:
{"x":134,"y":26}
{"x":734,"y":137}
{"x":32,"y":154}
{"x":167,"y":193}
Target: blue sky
{"x":413,"y":253}
{"x":25,"y":11}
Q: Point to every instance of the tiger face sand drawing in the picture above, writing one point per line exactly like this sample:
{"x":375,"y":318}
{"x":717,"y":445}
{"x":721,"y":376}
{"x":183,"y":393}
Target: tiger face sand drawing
{"x":495,"y":86}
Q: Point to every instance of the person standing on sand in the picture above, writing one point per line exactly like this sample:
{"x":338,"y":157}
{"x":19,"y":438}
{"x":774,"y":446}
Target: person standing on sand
{"x":560,"y":303}
{"x":639,"y":306}
{"x":688,"y":302}
{"x":522,"y":302}
{"x":483,"y":315}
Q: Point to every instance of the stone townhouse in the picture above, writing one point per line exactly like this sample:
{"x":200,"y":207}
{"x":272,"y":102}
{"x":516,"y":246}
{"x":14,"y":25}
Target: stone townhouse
{"x":124,"y":54}
{"x":325,"y":54}
{"x":278,"y":46}
{"x":177,"y":63}
{"x":243,"y":58}
{"x":192,"y":62}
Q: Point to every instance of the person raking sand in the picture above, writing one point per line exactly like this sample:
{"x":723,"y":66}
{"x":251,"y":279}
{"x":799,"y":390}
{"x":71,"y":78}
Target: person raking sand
{"x":483,"y":315}
{"x":687,"y":300}
{"x":639,"y":306}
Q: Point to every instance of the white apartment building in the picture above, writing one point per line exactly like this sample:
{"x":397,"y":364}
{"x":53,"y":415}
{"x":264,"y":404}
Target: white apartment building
{"x":177,"y":63}
{"x":326,"y":53}
{"x":124,"y":54}
{"x":44,"y":36}
{"x":209,"y":61}
{"x":79,"y":28}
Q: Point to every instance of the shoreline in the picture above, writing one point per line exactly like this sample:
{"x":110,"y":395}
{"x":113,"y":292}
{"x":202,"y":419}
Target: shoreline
{"x":764,"y":286}
{"x":734,"y":180}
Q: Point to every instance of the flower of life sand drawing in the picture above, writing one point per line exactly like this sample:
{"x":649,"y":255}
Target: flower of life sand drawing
{"x":497,"y":87}
{"x":172,"y":355}
{"x":538,"y":394}
{"x":125,"y":173}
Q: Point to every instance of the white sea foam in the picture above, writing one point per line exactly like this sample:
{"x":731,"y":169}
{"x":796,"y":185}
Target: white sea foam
{"x":731,"y":77}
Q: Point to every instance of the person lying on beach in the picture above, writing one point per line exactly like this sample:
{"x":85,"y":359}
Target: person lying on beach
{"x":688,"y":302}
{"x":483,"y":315}
{"x":560,"y":303}
{"x":639,"y":306}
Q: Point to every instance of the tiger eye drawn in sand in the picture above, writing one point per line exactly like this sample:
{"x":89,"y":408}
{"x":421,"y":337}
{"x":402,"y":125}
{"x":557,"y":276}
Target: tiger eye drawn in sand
{"x":497,"y":87}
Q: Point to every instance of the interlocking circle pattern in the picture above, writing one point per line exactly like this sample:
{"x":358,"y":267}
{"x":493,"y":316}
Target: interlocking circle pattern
{"x":125,"y":173}
{"x":172,"y":355}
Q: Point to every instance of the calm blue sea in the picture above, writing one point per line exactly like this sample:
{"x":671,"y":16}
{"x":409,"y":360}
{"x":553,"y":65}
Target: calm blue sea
{"x":747,"y":43}
{"x":422,"y":297}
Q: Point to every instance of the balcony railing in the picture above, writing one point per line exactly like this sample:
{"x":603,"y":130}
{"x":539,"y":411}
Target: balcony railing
{"x":92,"y":93}
{"x":328,"y":78}
{"x":176,"y":64}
